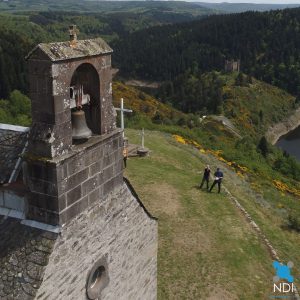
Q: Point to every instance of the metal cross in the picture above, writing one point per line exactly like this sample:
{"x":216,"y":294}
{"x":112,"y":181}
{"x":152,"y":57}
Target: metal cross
{"x":122,"y":110}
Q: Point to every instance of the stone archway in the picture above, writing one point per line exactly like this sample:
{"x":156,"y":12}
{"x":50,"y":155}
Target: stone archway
{"x":87,"y":77}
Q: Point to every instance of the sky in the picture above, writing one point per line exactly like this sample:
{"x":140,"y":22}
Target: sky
{"x":255,"y":1}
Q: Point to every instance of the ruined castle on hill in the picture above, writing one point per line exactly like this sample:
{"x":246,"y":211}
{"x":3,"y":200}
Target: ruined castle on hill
{"x":72,"y":228}
{"x":232,"y":65}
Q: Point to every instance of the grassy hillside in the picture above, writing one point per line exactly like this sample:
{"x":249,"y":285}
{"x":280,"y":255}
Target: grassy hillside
{"x":207,"y":250}
{"x":235,"y":137}
{"x":251,"y":105}
{"x":142,"y":104}
{"x":254,"y":106}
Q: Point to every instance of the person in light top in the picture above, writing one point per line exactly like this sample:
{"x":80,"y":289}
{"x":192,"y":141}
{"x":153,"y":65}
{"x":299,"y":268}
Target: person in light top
{"x":218,"y":180}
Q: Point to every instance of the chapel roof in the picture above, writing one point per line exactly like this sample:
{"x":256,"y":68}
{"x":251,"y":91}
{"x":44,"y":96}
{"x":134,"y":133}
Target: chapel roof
{"x":60,"y":51}
{"x":12,"y":142}
{"x":24,"y":255}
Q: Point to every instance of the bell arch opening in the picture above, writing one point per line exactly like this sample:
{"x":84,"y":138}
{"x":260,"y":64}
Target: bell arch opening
{"x":85,"y":95}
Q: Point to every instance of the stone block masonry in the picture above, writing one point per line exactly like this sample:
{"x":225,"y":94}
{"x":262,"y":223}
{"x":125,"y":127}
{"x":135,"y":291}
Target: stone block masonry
{"x":105,"y":241}
{"x":63,"y":187}
{"x":51,"y":132}
{"x":119,"y":230}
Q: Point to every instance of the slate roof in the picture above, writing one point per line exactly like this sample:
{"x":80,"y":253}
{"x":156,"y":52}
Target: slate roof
{"x":24,"y":255}
{"x":62,"y":50}
{"x":12,"y":142}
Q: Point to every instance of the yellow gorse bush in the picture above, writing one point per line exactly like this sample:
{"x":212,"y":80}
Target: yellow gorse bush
{"x":180,"y":139}
{"x":240,"y":170}
{"x":285,"y":188}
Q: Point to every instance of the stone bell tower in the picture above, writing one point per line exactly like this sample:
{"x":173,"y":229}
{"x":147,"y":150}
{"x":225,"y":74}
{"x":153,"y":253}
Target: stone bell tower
{"x":66,"y":176}
{"x":83,"y":234}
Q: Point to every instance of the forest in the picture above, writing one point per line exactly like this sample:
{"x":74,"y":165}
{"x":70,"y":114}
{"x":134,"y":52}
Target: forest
{"x":162,"y":47}
{"x":21,"y":29}
{"x":267,"y":44}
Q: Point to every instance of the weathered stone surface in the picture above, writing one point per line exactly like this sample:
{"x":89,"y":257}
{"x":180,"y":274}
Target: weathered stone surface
{"x":12,"y":142}
{"x":57,"y":184}
{"x":74,"y":195}
{"x":50,"y":79}
{"x":79,"y":187}
{"x":116,"y":227}
{"x":62,"y":51}
{"x":24,"y":255}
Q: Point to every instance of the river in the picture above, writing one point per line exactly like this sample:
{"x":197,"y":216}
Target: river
{"x":291,"y":143}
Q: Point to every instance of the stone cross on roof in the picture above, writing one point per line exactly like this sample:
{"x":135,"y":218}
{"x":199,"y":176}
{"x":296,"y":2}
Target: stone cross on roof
{"x":73,"y":35}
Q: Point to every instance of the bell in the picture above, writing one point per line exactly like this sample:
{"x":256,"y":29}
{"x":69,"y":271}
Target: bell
{"x":79,"y":128}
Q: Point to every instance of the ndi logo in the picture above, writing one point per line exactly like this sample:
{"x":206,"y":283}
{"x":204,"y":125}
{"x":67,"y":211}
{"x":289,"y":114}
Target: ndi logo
{"x":283,"y":272}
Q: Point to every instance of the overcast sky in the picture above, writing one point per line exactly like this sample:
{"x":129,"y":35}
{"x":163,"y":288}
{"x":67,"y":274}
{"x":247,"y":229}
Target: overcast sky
{"x":256,"y":1}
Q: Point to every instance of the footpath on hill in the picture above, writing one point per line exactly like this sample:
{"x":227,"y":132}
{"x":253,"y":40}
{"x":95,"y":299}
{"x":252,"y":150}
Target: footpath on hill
{"x":207,"y":248}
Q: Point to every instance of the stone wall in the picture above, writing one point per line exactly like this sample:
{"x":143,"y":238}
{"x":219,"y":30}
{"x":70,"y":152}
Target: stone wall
{"x":117,"y":229}
{"x":63,"y":187}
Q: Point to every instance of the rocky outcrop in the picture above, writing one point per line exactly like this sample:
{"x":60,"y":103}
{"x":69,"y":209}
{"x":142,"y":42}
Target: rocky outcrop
{"x":276,"y":131}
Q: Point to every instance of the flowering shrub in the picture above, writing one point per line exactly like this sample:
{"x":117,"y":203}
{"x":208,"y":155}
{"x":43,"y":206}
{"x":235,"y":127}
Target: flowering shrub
{"x":240,"y":170}
{"x":285,"y":188}
{"x":180,"y":139}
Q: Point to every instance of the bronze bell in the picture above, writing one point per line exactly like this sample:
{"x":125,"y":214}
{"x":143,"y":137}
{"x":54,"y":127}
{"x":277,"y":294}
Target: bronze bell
{"x":80,"y":129}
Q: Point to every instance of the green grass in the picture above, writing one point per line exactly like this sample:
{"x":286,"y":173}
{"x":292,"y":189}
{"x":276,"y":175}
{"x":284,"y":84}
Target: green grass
{"x":207,"y":250}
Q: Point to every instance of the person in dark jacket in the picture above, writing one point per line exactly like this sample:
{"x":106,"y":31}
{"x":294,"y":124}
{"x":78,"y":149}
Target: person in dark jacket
{"x":205,"y":178}
{"x":218,"y":180}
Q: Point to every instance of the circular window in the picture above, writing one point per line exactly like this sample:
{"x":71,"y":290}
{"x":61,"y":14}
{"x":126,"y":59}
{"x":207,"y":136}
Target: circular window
{"x":97,"y":279}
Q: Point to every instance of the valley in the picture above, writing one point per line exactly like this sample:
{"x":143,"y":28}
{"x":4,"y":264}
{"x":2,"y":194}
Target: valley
{"x":170,"y":57}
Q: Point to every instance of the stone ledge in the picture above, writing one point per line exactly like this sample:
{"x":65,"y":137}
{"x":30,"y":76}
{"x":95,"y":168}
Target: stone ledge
{"x":92,"y":142}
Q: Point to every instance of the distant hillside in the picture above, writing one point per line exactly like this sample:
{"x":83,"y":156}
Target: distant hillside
{"x":253,"y":106}
{"x":23,"y":24}
{"x":268,"y":45}
{"x":242,"y":7}
{"x":142,"y":7}
{"x":143,"y":104}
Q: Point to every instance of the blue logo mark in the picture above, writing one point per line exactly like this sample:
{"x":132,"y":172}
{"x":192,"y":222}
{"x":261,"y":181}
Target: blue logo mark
{"x":283,"y":271}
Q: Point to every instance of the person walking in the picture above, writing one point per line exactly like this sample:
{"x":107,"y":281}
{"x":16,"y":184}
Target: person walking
{"x":218,"y":180}
{"x":205,"y":178}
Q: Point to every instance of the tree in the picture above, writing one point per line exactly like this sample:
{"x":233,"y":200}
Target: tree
{"x":249,"y":79}
{"x":16,"y":110}
{"x":240,"y":81}
{"x":261,"y":115}
{"x":263,"y":146}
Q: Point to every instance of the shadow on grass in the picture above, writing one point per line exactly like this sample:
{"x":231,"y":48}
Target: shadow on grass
{"x":203,"y":189}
